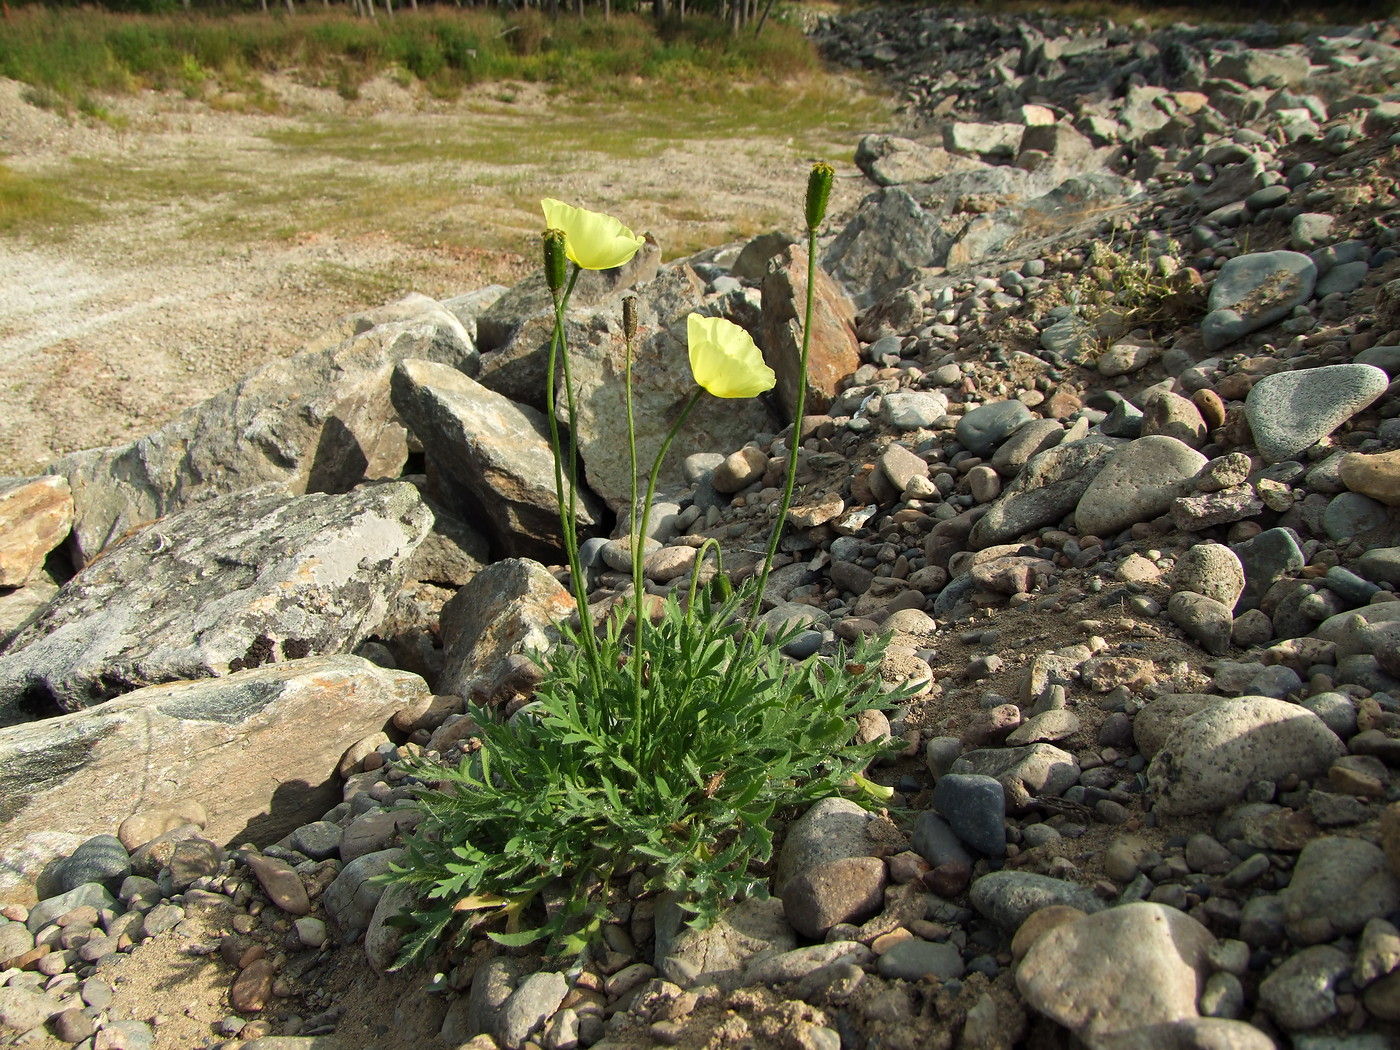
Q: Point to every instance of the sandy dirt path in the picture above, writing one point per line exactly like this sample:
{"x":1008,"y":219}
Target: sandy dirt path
{"x":221,"y":240}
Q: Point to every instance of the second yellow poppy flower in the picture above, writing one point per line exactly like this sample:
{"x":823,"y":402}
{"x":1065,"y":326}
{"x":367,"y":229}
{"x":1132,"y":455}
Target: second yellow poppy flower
{"x":725,"y":360}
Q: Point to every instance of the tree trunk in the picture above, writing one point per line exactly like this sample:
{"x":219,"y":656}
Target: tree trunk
{"x":389,"y":7}
{"x":659,"y":9}
{"x":290,"y":9}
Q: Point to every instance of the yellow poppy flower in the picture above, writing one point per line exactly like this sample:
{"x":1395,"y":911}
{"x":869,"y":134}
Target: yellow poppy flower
{"x":591,"y":239}
{"x":724,"y":359}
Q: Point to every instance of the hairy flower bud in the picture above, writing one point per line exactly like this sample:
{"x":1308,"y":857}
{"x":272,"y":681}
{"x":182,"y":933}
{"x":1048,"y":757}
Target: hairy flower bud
{"x":629,"y":317}
{"x":818,"y":193}
{"x":555,"y":263}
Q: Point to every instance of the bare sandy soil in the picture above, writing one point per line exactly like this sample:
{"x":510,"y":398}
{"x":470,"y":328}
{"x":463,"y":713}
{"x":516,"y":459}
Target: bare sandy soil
{"x":223,"y":240}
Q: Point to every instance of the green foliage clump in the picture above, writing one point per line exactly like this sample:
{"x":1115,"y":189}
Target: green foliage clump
{"x":534,"y":833}
{"x":72,"y":52}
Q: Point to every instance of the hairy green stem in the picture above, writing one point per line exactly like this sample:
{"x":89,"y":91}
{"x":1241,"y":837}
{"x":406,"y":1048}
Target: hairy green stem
{"x":633,"y":511}
{"x":795,"y":442}
{"x":559,"y":348}
{"x":639,"y":591}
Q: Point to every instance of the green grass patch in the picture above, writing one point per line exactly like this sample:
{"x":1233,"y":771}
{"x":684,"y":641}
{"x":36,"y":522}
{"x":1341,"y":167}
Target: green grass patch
{"x":72,"y":53}
{"x":33,"y":205}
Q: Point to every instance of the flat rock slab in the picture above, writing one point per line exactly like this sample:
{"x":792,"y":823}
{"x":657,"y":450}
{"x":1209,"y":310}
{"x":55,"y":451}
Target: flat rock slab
{"x":1289,"y":412}
{"x":319,"y":421}
{"x":257,"y":749}
{"x":1253,"y":291}
{"x":230,"y":584}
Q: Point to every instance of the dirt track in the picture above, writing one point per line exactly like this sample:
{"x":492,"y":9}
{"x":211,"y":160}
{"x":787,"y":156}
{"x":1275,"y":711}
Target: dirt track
{"x":227,"y":239}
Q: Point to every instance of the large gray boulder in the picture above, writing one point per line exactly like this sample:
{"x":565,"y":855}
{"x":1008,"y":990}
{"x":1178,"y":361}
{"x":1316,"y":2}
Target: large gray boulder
{"x":231,"y":583}
{"x":257,"y":749}
{"x":319,"y":421}
{"x":489,"y":458}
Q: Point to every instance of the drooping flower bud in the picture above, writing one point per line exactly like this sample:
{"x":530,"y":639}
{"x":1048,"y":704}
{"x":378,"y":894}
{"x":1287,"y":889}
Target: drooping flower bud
{"x":818,"y":193}
{"x":629,"y":317}
{"x":555,"y":262}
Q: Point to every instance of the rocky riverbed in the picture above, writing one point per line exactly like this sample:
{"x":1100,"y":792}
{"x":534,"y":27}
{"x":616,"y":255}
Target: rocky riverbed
{"x":1102,"y":427}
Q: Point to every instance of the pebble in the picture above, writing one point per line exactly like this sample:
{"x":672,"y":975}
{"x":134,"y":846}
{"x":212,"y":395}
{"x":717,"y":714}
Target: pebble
{"x":1300,"y":993}
{"x":1209,"y":760}
{"x":916,"y":960}
{"x":1008,"y":898}
{"x":1332,"y":394}
{"x":1120,"y":969}
{"x":987,"y":426}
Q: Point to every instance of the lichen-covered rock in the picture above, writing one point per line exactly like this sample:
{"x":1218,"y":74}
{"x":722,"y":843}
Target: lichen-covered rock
{"x":231,"y":583}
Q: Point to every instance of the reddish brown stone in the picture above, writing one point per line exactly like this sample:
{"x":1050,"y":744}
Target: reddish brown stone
{"x":834,"y":351}
{"x":252,"y":987}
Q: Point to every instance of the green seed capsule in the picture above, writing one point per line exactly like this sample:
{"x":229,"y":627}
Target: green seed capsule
{"x":555,"y":262}
{"x":818,"y":193}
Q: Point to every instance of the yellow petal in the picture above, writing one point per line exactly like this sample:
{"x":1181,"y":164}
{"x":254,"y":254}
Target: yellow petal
{"x":591,"y":239}
{"x":724,"y":359}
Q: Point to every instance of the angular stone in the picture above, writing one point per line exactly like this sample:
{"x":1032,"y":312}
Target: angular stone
{"x":1194,"y":513}
{"x":1289,"y":412}
{"x":1209,"y":761}
{"x":889,"y":160}
{"x":834,"y":351}
{"x":491,"y":458}
{"x":889,"y":234}
{"x":753,"y":929}
{"x":35,"y":516}
{"x":232,"y":583}
{"x":661,"y":383}
{"x":86,"y":771}
{"x":1037,"y":769}
{"x":490,"y":626}
{"x":315,"y":422}
{"x":1120,"y":969}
